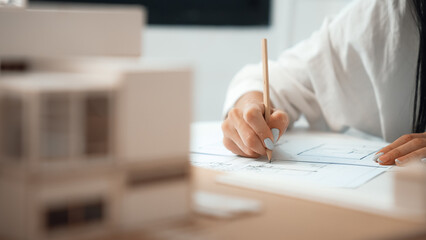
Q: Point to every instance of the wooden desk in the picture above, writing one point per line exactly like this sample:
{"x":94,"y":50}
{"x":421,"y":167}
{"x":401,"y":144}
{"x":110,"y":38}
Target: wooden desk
{"x":290,"y":218}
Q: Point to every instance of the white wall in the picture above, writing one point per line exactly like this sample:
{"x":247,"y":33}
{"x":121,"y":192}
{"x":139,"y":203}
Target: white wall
{"x":217,"y":53}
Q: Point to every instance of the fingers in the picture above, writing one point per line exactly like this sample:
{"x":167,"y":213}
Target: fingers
{"x":403,"y":150}
{"x":242,"y":135}
{"x":250,"y":139}
{"x":253,"y":117}
{"x":402,"y":140}
{"x":233,"y":135}
{"x":407,"y":145}
{"x":246,"y":132}
{"x":229,"y":144}
{"x":418,"y":154}
{"x":278,"y":122}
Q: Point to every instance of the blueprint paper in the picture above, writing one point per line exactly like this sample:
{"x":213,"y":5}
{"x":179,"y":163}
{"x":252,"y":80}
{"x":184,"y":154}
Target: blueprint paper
{"x":324,"y":174}
{"x":326,"y":159}
{"x":311,"y":147}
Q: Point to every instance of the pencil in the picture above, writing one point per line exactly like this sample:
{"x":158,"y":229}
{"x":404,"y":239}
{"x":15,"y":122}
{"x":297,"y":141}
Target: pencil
{"x":266,"y":100}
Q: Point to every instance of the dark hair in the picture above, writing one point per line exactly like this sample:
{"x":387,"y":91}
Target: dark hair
{"x":419,"y":115}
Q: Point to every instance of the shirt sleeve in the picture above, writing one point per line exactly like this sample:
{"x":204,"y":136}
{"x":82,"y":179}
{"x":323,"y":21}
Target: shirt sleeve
{"x":290,"y":85}
{"x":331,"y":78}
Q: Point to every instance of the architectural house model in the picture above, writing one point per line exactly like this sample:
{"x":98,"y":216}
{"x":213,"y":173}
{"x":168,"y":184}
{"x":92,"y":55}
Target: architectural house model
{"x":90,"y":148}
{"x":71,"y":31}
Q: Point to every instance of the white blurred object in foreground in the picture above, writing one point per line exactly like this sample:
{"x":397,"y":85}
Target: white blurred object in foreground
{"x":87,"y":148}
{"x":410,"y":187}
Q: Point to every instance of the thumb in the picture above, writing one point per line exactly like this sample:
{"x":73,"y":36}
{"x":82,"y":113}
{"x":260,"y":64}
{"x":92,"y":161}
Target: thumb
{"x":278,"y":122}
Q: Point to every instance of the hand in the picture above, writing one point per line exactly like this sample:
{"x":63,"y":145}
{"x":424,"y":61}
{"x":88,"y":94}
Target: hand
{"x":245,"y":131}
{"x":406,"y":148}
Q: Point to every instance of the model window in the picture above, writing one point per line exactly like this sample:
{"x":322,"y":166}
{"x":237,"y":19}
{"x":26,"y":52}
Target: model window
{"x":14,"y":65}
{"x":57,"y":217}
{"x":74,"y":215}
{"x":55,"y":126}
{"x":97,"y":125}
{"x":11,"y":123}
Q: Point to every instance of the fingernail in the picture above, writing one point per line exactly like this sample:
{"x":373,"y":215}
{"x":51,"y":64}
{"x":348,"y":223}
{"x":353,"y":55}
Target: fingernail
{"x":275,"y":133}
{"x":423,"y":160}
{"x":383,"y":159}
{"x":268,"y":143}
{"x":398,"y":162}
{"x":377,"y":156}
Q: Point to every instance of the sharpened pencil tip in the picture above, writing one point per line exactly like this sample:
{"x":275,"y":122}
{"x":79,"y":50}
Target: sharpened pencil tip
{"x":269,"y":154}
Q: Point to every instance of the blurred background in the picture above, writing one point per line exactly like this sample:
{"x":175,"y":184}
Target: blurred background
{"x":218,"y":37}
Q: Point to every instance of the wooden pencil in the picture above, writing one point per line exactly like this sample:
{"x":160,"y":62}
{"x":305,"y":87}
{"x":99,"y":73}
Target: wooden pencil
{"x":266,"y":100}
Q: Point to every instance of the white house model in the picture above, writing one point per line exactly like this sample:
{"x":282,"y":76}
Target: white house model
{"x":90,"y":151}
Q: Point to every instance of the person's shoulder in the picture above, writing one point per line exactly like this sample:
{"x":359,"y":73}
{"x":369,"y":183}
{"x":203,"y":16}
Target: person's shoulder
{"x":373,"y":14}
{"x":388,"y":7}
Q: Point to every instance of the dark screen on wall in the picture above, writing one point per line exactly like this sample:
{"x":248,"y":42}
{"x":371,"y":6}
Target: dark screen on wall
{"x":195,"y":12}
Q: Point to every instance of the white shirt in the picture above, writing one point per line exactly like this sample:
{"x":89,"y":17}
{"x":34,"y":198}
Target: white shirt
{"x":358,"y":70}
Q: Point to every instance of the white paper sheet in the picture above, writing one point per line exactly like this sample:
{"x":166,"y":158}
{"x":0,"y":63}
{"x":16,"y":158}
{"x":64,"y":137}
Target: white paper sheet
{"x":327,"y":159}
{"x":312,"y":147}
{"x":324,"y":174}
{"x":328,"y":148}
